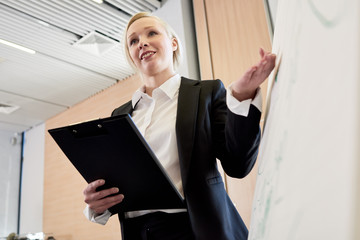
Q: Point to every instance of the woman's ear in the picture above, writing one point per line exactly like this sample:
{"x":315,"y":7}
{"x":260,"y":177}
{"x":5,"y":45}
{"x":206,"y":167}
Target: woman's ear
{"x":174,"y":44}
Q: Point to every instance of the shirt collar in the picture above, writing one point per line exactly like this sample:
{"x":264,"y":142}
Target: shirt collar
{"x":169,"y":87}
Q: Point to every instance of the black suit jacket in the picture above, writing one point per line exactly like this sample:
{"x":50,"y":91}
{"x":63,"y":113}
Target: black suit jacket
{"x":206,"y":130}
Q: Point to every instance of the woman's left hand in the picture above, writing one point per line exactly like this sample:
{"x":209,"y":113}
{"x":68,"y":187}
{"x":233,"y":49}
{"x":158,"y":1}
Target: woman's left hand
{"x":245,"y":87}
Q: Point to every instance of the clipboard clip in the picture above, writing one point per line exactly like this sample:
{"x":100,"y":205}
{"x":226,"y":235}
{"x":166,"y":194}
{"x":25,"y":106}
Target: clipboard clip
{"x":88,"y":130}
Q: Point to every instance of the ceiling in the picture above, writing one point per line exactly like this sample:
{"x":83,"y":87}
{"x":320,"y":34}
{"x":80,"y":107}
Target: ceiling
{"x":78,"y":53}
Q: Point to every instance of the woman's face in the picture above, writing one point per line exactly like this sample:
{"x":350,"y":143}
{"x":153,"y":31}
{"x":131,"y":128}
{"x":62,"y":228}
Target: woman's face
{"x":150,"y":47}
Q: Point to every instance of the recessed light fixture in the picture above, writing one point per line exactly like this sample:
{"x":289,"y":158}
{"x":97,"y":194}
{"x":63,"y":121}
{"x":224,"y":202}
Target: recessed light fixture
{"x":96,"y":43}
{"x":7,"y":108}
{"x":28,"y":50}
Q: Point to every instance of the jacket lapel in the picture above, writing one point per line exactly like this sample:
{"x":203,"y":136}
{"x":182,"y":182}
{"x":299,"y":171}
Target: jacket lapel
{"x":186,"y":123}
{"x":124,"y":109}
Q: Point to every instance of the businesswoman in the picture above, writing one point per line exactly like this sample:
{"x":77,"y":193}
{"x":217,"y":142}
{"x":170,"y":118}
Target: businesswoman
{"x":188,"y":124}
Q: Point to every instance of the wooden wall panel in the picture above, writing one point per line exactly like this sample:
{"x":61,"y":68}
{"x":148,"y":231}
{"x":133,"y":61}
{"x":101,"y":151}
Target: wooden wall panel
{"x":63,"y":186}
{"x":236,"y":29}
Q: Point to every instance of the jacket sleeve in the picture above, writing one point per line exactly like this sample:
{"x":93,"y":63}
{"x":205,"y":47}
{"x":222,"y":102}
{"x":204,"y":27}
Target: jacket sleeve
{"x":235,"y":138}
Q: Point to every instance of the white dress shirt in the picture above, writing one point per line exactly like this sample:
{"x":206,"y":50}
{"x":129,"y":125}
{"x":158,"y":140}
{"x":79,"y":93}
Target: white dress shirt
{"x":155,"y":118}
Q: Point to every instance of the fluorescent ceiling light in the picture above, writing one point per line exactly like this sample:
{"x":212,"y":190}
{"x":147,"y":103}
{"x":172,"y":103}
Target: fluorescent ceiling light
{"x":28,"y":50}
{"x":43,"y":23}
{"x":98,"y":1}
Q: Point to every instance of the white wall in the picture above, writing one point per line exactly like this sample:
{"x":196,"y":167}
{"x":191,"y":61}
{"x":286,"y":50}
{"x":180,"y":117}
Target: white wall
{"x":31,"y":209}
{"x":10,"y":162}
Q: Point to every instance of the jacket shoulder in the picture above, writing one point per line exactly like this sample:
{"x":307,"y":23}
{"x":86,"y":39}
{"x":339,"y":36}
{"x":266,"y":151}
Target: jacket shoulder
{"x":209,"y":82}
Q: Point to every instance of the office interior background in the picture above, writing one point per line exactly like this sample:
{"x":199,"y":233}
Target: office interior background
{"x":73,"y":69}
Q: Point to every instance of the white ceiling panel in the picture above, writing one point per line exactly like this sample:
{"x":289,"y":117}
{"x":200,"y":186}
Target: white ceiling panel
{"x":37,"y":76}
{"x":60,"y":73}
{"x":58,"y":43}
{"x":31,"y":112}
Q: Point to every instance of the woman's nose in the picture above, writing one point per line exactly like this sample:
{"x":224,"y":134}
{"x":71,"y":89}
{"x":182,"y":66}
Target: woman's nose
{"x":143,"y":44}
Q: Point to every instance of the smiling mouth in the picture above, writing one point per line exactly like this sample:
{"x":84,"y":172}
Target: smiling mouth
{"x":147,"y":55}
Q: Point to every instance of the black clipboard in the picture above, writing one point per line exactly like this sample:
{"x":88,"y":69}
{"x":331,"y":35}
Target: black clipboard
{"x":113,"y":149}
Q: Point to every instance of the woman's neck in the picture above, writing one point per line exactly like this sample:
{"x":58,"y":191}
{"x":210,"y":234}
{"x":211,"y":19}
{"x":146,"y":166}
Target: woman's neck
{"x":155,"y":81}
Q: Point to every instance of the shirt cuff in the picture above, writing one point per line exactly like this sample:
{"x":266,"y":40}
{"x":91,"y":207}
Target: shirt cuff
{"x":96,"y":218}
{"x":242,"y":108}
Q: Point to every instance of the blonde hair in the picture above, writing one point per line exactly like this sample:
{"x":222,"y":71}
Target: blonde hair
{"x":177,"y":54}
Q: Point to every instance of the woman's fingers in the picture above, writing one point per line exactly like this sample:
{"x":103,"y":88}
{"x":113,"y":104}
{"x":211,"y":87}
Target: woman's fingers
{"x":94,"y":196}
{"x":261,"y":52}
{"x":99,"y":201}
{"x":91,"y":187}
{"x":102,"y":205}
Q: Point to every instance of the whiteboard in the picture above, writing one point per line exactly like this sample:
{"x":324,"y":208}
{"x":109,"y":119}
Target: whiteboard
{"x":308,"y":177}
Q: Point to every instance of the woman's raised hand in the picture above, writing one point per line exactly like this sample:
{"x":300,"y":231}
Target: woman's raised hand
{"x":245,"y":87}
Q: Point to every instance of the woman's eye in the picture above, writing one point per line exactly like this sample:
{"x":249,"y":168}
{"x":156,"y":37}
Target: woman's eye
{"x":151,"y":33}
{"x":133,"y":41}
